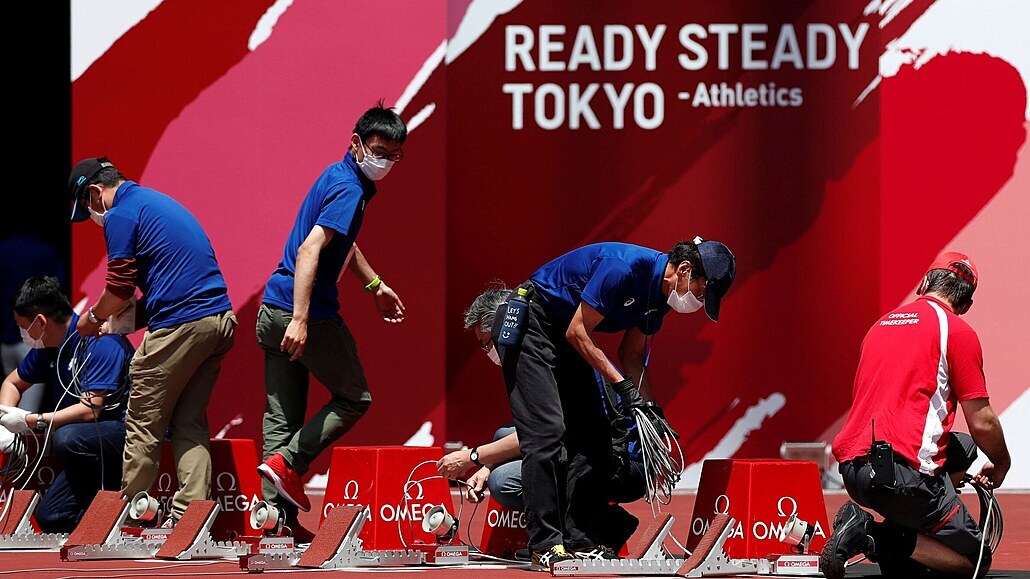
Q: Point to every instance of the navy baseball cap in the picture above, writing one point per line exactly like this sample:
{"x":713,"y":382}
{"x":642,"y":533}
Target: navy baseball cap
{"x":78,"y":184}
{"x":720,"y":268}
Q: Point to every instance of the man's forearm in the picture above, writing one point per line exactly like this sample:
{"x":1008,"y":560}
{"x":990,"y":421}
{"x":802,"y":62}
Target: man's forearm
{"x":304,"y":281}
{"x":10,"y":395}
{"x":634,"y":368}
{"x":500,"y":451}
{"x":989,"y":437}
{"x":361,"y":268}
{"x":583,"y":343}
{"x":108,"y":305}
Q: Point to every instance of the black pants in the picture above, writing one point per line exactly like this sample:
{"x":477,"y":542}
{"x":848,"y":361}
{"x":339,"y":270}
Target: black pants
{"x":82,"y":448}
{"x":564,"y":434}
{"x":922,"y":503}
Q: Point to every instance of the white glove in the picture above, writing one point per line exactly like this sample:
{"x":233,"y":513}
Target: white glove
{"x":6,"y":440}
{"x":13,"y":419}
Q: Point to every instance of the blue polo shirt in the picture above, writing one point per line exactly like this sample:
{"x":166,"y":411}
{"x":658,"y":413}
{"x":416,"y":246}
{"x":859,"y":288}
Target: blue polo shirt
{"x":336,"y":201}
{"x":103,"y":367}
{"x":619,"y":280}
{"x":177,"y":270}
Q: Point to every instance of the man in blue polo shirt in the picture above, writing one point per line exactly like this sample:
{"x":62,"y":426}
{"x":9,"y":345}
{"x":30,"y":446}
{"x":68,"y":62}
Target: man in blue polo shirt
{"x":299,"y":325}
{"x":564,"y":434}
{"x":85,"y":383}
{"x":157,"y":245}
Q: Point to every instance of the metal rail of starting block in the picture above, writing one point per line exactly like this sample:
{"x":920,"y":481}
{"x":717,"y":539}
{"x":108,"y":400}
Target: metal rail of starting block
{"x":708,"y":560}
{"x":331,"y":549}
{"x":17,"y":530}
{"x":189,"y":539}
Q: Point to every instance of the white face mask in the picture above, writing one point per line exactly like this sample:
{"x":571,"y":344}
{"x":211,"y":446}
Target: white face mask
{"x":374,"y":169}
{"x":684,"y":304}
{"x":98,"y":218}
{"x":493,"y":355}
{"x":34,"y":343}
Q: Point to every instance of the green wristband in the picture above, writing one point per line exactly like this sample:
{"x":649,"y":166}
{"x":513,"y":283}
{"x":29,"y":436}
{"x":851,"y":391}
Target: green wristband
{"x":373,"y":284}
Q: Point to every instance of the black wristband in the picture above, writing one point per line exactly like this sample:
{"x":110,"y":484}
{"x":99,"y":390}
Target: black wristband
{"x":474,"y":456}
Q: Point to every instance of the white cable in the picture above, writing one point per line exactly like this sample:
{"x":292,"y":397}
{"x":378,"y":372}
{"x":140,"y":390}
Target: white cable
{"x":983,"y":535}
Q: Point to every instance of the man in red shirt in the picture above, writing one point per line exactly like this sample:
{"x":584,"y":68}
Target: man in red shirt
{"x":918,"y":364}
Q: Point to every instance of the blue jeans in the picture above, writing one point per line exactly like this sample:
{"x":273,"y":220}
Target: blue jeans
{"x":81,"y":448}
{"x":505,"y":482}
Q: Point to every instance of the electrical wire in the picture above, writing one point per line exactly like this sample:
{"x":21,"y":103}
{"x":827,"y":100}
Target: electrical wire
{"x":661,"y":470}
{"x":992,"y":526}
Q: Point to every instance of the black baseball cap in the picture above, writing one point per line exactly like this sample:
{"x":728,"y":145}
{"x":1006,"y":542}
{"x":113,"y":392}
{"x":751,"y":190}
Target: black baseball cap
{"x":78,"y":183}
{"x":720,"y":268}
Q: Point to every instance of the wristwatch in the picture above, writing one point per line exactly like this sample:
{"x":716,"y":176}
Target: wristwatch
{"x":474,"y":456}
{"x":41,"y":423}
{"x":93,"y":317}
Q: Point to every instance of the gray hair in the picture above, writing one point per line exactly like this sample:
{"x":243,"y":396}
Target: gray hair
{"x":481,"y":313}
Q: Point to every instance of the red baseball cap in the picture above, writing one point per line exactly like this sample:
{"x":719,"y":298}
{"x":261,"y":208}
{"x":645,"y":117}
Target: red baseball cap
{"x":947,"y":261}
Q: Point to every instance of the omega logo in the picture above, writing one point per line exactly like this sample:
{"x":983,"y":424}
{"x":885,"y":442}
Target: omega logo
{"x":411,"y":485}
{"x":793,"y":505}
{"x":221,"y":480}
{"x":46,"y":476}
{"x":726,"y":508}
{"x":350,"y":490}
{"x":164,"y":482}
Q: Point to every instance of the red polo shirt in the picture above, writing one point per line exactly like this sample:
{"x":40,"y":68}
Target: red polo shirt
{"x":917,"y":363}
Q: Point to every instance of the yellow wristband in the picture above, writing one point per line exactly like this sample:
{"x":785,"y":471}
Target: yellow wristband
{"x":373,"y":284}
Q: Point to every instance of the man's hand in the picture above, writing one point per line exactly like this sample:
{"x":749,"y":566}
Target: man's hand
{"x":474,"y":492}
{"x":6,"y":440}
{"x":86,"y":328}
{"x":388,"y":304}
{"x":13,"y":419}
{"x":295,"y":339}
{"x":629,"y":396}
{"x":990,"y":475}
{"x":454,"y":464}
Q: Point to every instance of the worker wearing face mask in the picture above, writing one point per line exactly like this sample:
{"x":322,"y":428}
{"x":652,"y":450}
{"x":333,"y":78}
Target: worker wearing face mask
{"x":299,"y":325}
{"x":564,"y":435}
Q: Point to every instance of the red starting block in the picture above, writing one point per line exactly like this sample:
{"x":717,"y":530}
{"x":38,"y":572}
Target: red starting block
{"x":760,"y":495}
{"x":504,"y":531}
{"x":235,"y":485}
{"x":374,"y":478}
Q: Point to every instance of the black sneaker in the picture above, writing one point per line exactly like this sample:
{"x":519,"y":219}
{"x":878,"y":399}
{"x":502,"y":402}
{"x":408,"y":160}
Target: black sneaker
{"x":596,"y":552}
{"x":523,"y":555}
{"x":543,"y":560}
{"x":848,"y":539}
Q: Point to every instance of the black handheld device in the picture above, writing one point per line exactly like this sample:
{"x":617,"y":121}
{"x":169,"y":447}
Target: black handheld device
{"x":881,"y":459}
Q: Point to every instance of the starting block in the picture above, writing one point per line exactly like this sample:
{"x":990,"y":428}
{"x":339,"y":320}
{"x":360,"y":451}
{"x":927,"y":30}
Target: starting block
{"x":337,"y":545}
{"x":16,"y":528}
{"x":374,"y":478}
{"x":649,"y":557}
{"x":100,"y":534}
{"x":761,"y":496}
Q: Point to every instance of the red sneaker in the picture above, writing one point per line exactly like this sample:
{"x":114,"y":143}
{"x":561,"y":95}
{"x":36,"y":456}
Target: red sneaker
{"x":286,"y":481}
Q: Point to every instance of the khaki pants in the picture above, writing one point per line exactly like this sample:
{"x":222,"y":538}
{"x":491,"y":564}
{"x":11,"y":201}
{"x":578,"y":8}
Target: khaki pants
{"x":173,"y":373}
{"x":331,"y":355}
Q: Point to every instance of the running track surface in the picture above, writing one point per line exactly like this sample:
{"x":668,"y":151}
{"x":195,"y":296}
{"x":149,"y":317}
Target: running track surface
{"x":1011,"y":560}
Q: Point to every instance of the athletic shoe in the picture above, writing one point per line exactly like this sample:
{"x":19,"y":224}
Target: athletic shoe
{"x":523,"y":555}
{"x":543,"y":560}
{"x":301,"y":535}
{"x":848,"y":539}
{"x":286,"y":481}
{"x":596,"y":552}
